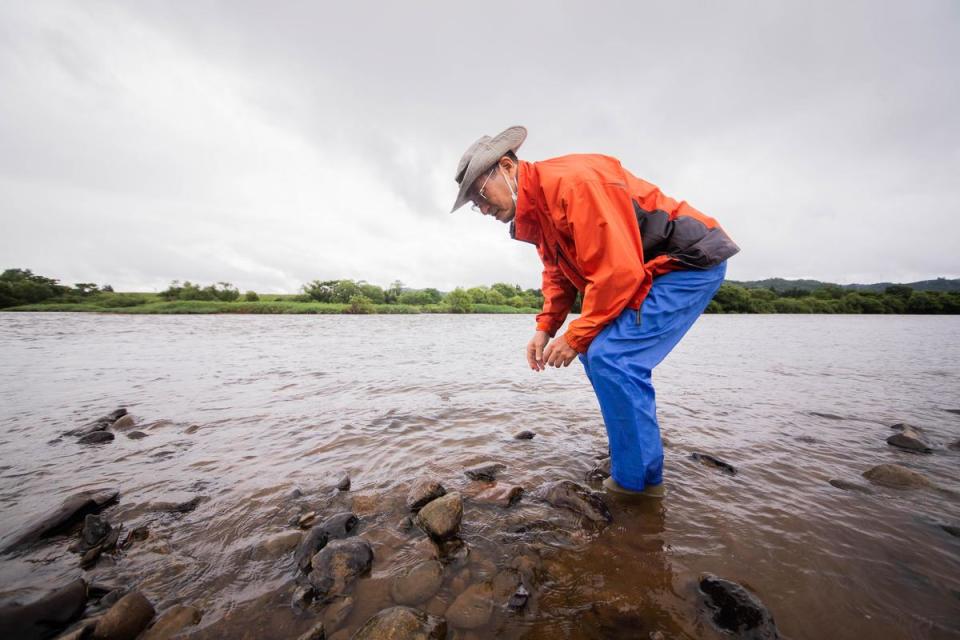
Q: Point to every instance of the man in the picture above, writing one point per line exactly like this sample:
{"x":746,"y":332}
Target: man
{"x":647,"y":267}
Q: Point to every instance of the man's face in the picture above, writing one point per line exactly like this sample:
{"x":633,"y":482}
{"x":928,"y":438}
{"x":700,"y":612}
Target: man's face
{"x":491,"y":194}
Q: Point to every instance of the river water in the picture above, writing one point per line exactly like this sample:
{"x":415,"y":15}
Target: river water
{"x":241,"y":410}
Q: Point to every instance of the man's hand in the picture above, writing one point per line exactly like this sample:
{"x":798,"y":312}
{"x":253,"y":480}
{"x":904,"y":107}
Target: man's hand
{"x":558,"y":353}
{"x":535,"y":350}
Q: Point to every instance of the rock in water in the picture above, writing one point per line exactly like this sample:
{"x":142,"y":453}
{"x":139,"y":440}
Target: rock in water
{"x":95,"y":529}
{"x":954,"y":446}
{"x":125,"y":619}
{"x":487,"y":471}
{"x":850,"y":486}
{"x":710,"y":461}
{"x":338,"y":565}
{"x":173,"y":621}
{"x":600,"y":471}
{"x":97,"y":437}
{"x":402,"y":623}
{"x":566,"y":494}
{"x":336,"y":612}
{"x":418,"y":583}
{"x":895,"y":476}
{"x":317,"y":632}
{"x":424,"y":490}
{"x":737,"y":610}
{"x":472,"y":608}
{"x":177,"y":507}
{"x":340,"y":525}
{"x":909,"y":438}
{"x":70,"y":512}
{"x":440,"y":519}
{"x":45,"y":616}
{"x":344,"y":483}
{"x":124,"y":422}
{"x":519,"y":599}
{"x":525,"y":435}
{"x":314,"y":541}
{"x":502,"y":495}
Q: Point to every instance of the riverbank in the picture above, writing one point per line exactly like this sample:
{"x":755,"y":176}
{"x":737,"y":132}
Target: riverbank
{"x":188,"y":307}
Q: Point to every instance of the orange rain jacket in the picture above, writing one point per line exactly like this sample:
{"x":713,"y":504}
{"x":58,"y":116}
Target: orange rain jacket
{"x":602,"y":231}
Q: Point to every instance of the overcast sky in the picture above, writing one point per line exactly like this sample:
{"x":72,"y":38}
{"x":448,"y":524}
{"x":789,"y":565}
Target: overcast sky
{"x":271,"y":143}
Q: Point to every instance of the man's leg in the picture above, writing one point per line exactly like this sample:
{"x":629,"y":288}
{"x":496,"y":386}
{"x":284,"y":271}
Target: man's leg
{"x":621,"y":359}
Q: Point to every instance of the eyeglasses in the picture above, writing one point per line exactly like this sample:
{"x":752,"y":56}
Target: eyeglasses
{"x":476,"y":206}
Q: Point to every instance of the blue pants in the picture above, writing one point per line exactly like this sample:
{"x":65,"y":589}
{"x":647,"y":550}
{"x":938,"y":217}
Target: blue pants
{"x":620,"y":360}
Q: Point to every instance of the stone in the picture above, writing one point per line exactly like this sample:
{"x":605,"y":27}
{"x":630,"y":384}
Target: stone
{"x":136,"y":435}
{"x":599,"y":472}
{"x":710,"y":461}
{"x":737,"y":610}
{"x":405,"y":524}
{"x":71,"y":511}
{"x":505,"y":583}
{"x":281,"y":543}
{"x":177,"y":507}
{"x":525,"y":435}
{"x":336,"y":612}
{"x":48,"y":614}
{"x":124,"y":422}
{"x":895,"y":476}
{"x":518,"y":600}
{"x":97,"y":437}
{"x":316,"y":632}
{"x":344,"y":483}
{"x":340,"y":525}
{"x":338,"y":565}
{"x":314,"y":541}
{"x":440,"y":518}
{"x":501,"y":495}
{"x":402,"y":623}
{"x":126,"y":619}
{"x":472,"y":608}
{"x":302,"y":597}
{"x":954,"y":446}
{"x":90,"y":557}
{"x":487,"y":471}
{"x":850,"y":486}
{"x":95,"y":529}
{"x":453,"y":552}
{"x":417,"y":583}
{"x":566,"y":494}
{"x":306,"y":520}
{"x":423,"y":491}
{"x":138,"y":534}
{"x":173,"y":621}
{"x":951,"y":529}
{"x":909,"y":438}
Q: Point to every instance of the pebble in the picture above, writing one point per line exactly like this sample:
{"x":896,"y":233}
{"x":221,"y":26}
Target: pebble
{"x":344,"y":483}
{"x":423,"y":491}
{"x":525,"y":435}
{"x":124,"y":422}
{"x":440,"y":518}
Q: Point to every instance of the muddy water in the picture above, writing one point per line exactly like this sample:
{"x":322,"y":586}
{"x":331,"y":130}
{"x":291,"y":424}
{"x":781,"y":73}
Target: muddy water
{"x":243,"y":410}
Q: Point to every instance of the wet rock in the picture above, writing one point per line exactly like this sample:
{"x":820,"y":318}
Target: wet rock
{"x":954,"y":446}
{"x":405,"y":524}
{"x":951,"y":529}
{"x":192,"y":429}
{"x":97,"y":425}
{"x":440,"y":518}
{"x":453,"y":552}
{"x":97,"y":437}
{"x":138,"y":534}
{"x":302,"y":596}
{"x":566,"y":494}
{"x":95,"y":529}
{"x":600,"y":471}
{"x":402,"y":623}
{"x":306,"y":520}
{"x":125,"y":619}
{"x":525,"y":435}
{"x":136,"y":435}
{"x":71,"y":511}
{"x":340,"y":525}
{"x":487,"y":471}
{"x":737,"y":610}
{"x":90,"y":557}
{"x":336,"y":612}
{"x":418,"y":583}
{"x":850,"y":486}
{"x":124,"y":422}
{"x":954,"y":411}
{"x":281,"y":543}
{"x":472,"y":608}
{"x":177,"y":507}
{"x":45,"y":616}
{"x":315,"y":633}
{"x":518,"y":600}
{"x":173,"y":621}
{"x":895,"y":476}
{"x":501,"y":495}
{"x":710,"y":461}
{"x":338,"y":565}
{"x":909,"y":438}
{"x":423,"y":491}
{"x":314,"y":541}
{"x":343,"y":484}
{"x":295,"y":493}
{"x":505,"y":584}
{"x":828,"y":416}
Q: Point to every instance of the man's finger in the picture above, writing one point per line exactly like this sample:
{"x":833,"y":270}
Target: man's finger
{"x":541,"y":353}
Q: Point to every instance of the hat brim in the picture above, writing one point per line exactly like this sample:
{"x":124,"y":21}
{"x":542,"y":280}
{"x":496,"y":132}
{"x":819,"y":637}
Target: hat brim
{"x":483,"y":154}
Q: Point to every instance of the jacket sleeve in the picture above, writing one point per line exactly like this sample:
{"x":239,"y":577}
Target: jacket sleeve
{"x":609,"y":249}
{"x":558,"y":297}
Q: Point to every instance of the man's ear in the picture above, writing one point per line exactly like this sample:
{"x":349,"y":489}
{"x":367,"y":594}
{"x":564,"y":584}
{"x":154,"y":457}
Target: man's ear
{"x":507,"y":164}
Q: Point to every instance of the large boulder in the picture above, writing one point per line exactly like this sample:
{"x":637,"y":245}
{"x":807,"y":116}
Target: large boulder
{"x":402,"y":623}
{"x":45,"y":616}
{"x":126,"y":619}
{"x":895,"y":476}
{"x":424,"y":491}
{"x":338,"y":565}
{"x":417,"y":583}
{"x":737,"y":610}
{"x":566,"y":494}
{"x":440,"y":519}
{"x":909,"y":438}
{"x":71,"y":511}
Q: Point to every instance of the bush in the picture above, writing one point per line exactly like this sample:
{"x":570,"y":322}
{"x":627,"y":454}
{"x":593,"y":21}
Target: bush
{"x":360,"y":303}
{"x":251,"y":296}
{"x":459,"y":301}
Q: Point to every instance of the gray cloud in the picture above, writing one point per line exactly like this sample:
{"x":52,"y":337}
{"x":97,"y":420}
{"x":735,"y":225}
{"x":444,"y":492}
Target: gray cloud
{"x":142,"y":142}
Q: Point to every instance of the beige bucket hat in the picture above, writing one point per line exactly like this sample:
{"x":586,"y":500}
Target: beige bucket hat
{"x":481,"y":155}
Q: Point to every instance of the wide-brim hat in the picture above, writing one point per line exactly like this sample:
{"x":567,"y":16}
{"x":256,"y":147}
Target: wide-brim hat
{"x":482,"y":155}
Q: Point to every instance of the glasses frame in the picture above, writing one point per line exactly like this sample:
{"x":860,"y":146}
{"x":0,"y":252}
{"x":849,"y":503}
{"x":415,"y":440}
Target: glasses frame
{"x":476,"y":206}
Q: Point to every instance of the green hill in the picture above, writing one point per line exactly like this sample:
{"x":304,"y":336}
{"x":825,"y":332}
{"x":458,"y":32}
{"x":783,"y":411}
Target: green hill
{"x":780,"y":285}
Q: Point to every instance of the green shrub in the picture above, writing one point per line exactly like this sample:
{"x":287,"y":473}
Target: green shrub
{"x":251,"y":296}
{"x":360,"y":303}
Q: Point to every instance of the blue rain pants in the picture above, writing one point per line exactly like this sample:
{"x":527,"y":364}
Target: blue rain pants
{"x":620,"y":361}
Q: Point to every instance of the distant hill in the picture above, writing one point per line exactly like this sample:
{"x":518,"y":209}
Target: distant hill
{"x":780,"y":284}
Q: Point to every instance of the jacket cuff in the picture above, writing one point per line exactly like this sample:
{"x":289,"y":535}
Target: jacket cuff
{"x":543,"y":326}
{"x":580,"y":345}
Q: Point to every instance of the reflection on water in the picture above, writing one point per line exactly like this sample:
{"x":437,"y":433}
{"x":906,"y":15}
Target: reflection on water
{"x":243,"y":410}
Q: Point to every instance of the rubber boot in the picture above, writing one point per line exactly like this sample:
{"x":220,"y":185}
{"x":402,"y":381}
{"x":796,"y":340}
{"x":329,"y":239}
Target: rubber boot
{"x":650,"y":491}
